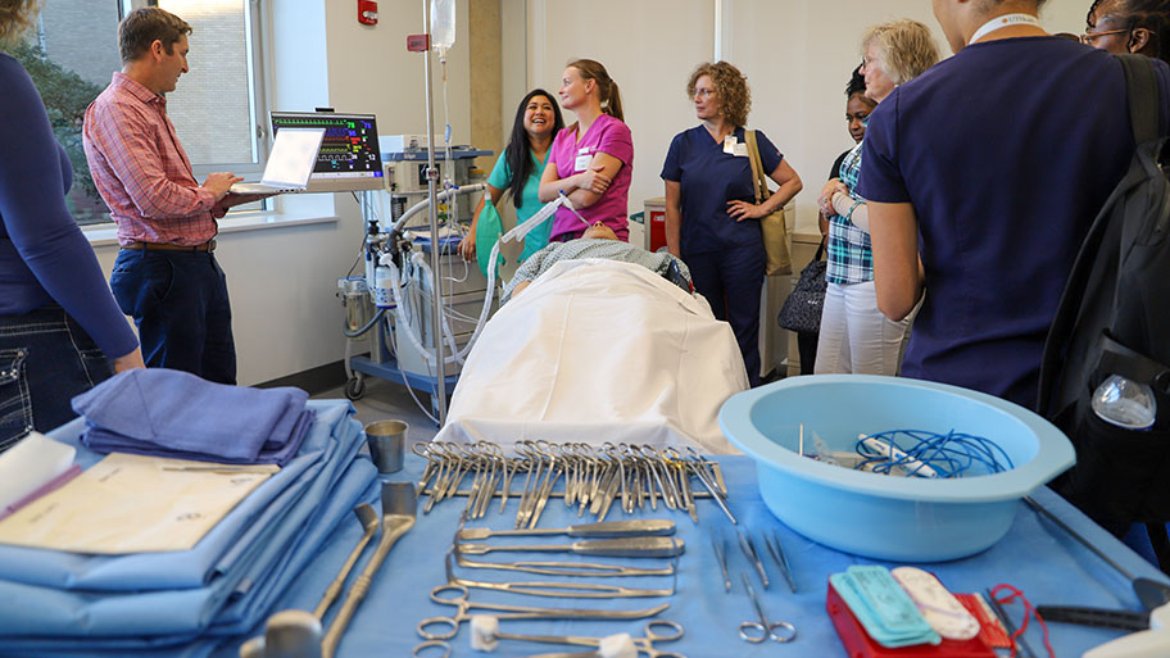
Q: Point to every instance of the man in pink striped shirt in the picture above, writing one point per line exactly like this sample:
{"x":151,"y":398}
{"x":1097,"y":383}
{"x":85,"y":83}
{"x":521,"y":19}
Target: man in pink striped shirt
{"x":166,"y":276}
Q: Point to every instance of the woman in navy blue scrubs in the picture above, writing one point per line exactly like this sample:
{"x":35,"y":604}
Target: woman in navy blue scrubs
{"x":711,"y":214}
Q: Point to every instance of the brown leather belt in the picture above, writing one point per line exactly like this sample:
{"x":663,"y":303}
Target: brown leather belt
{"x":161,"y":246}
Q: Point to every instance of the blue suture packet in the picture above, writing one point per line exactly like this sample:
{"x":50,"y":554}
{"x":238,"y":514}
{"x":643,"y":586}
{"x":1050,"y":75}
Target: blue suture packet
{"x":882,"y":607}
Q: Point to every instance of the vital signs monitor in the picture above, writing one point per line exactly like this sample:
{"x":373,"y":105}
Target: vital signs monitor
{"x":349,"y":159}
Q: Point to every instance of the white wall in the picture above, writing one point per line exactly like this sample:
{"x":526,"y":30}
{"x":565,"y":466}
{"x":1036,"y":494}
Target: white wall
{"x":797,"y":55}
{"x":649,"y":48}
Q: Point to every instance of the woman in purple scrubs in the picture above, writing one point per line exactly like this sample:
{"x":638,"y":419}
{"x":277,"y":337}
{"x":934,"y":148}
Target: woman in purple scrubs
{"x":710,"y":203}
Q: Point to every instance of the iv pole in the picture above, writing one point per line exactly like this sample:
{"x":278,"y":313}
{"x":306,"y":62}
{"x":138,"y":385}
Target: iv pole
{"x":432,"y":179}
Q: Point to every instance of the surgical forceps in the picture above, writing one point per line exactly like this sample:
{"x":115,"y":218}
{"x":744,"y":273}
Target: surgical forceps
{"x":753,"y":556}
{"x":780,"y":631}
{"x":667,"y":631}
{"x":777,"y":552}
{"x":463,"y":605}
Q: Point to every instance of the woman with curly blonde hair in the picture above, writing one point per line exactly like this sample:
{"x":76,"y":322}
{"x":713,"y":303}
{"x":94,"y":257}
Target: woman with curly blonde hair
{"x":710,"y":202}
{"x":15,"y":17}
{"x":855,"y":336}
{"x":59,"y":326}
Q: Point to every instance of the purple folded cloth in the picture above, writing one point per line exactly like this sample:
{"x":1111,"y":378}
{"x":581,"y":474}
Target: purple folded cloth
{"x":168,"y":413}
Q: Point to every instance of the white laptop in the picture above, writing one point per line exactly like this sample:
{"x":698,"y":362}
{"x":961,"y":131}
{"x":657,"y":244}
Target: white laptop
{"x":291,"y":162}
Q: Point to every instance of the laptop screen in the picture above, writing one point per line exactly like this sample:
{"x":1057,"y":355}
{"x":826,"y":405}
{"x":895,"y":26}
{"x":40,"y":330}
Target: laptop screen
{"x":293,"y":157}
{"x":349,"y":158}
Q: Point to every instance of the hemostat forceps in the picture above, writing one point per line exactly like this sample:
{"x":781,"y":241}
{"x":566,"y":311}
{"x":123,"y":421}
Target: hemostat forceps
{"x":463,"y":605}
{"x":659,"y":630}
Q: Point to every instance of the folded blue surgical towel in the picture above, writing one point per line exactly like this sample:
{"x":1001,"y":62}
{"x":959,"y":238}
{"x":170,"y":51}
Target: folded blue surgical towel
{"x":168,"y":413}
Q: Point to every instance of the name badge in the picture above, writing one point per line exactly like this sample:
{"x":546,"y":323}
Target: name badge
{"x":734,"y":147}
{"x":583,"y":160}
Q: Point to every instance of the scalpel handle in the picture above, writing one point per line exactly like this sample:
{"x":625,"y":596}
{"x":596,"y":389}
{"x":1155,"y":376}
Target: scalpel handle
{"x":638,"y":528}
{"x":631,"y":547}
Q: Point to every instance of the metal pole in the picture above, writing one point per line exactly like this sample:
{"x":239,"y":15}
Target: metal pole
{"x":432,"y":195}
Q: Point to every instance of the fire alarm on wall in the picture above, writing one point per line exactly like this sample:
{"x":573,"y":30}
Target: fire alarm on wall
{"x":368,"y":12}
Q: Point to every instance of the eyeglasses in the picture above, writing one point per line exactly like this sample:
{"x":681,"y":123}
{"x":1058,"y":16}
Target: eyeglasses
{"x":704,"y":93}
{"x":1088,"y":37}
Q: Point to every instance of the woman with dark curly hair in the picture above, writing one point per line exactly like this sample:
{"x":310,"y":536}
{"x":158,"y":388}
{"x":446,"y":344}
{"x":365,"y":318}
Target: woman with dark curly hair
{"x":1129,"y":26}
{"x":710,"y":203}
{"x":60,"y":330}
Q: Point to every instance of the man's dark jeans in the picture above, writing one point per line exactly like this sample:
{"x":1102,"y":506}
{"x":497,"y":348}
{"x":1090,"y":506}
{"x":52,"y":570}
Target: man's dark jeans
{"x":179,"y":301}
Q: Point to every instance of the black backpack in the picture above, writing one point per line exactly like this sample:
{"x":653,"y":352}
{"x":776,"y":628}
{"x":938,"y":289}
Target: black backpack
{"x":1114,"y":318}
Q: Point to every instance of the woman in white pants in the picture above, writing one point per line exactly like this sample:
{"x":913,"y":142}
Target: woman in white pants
{"x":855,"y":336}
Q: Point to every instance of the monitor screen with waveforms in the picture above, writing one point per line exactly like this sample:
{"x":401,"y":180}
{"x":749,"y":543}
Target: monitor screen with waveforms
{"x":349,"y":159}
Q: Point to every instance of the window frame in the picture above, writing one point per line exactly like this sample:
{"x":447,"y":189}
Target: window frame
{"x":254,"y":19}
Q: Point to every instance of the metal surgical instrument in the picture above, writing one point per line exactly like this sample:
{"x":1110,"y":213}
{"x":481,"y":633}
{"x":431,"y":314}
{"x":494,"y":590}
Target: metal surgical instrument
{"x":624,"y":547}
{"x":720,"y":546}
{"x":556,"y":589}
{"x":463,"y":605}
{"x":753,"y":556}
{"x":777,"y":552}
{"x":442,"y":647}
{"x":659,"y":630}
{"x":698,"y":465}
{"x":572,"y":569}
{"x":779,"y":631}
{"x":593,"y":478}
{"x":640,"y":528}
{"x":399,"y":504}
{"x":369,"y":520}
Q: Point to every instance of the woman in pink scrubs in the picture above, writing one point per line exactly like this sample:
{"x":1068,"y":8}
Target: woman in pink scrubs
{"x":592,"y":159}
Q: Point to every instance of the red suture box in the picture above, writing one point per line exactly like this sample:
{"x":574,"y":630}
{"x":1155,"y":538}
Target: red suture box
{"x":858,"y":644}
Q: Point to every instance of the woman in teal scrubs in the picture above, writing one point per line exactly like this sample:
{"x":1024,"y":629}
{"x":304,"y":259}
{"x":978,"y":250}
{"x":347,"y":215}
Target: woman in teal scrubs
{"x":538,"y":118}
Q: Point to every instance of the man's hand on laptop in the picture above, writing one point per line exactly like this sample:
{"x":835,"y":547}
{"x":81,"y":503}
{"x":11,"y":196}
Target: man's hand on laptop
{"x":232,"y":200}
{"x":220,"y":182}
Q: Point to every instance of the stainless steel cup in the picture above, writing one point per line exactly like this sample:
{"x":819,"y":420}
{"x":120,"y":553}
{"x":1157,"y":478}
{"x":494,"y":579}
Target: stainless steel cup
{"x":387,"y":442}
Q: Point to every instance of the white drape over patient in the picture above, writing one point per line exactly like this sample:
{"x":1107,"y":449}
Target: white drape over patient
{"x":596,"y":351}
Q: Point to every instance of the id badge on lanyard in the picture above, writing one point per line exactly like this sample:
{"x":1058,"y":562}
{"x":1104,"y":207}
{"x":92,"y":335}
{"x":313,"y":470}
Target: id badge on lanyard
{"x":732,"y":146}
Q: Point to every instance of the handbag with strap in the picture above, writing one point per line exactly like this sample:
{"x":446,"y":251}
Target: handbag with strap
{"x":802,"y":310}
{"x":774,"y":229}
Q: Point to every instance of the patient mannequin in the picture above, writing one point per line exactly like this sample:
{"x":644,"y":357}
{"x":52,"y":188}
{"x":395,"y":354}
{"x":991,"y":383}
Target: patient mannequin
{"x":598,"y":241}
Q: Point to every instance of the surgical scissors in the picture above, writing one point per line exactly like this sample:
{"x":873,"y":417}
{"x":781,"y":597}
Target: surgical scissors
{"x":766,"y":629}
{"x":645,"y":645}
{"x":442,"y":647}
{"x":463,"y":605}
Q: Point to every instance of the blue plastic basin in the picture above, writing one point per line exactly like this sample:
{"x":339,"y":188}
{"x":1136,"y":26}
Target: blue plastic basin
{"x":890,"y":518}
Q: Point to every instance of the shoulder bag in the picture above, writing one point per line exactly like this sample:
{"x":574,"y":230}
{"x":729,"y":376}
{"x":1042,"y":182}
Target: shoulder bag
{"x":802,"y":310}
{"x":774,"y":230}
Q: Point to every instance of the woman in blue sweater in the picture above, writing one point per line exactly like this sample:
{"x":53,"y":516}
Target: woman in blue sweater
{"x":60,"y":330}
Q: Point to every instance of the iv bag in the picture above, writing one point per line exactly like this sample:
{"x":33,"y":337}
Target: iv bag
{"x":442,"y":25}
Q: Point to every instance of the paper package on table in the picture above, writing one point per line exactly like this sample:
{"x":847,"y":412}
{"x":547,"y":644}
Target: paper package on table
{"x":133,"y":504}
